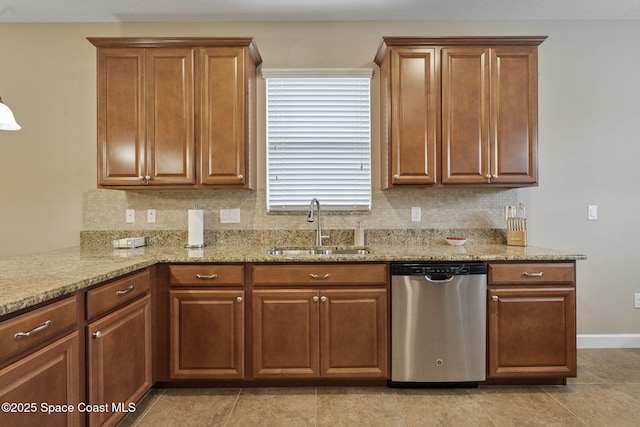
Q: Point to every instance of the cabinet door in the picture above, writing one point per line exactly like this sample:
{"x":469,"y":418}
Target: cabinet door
{"x":119,"y":359}
{"x":285,"y":333}
{"x":121,"y":116}
{"x":48,"y":376}
{"x":514,"y":115}
{"x":465,"y":115}
{"x":207,"y":334}
{"x":532,"y":332}
{"x":170,"y":116}
{"x":223,"y":106}
{"x":353,"y":333}
{"x":414,"y":95}
{"x":145,"y":116}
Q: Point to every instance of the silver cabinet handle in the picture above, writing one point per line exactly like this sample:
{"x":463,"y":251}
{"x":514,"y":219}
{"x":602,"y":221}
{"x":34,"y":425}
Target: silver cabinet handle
{"x":34,"y":331}
{"x":239,"y":299}
{"x":495,"y":298}
{"x":320,"y":276}
{"x":205,"y":277}
{"x":396,"y":176}
{"x":323,"y":298}
{"x":240,"y":177}
{"x":124,"y":291}
{"x":315,"y":298}
{"x":97,"y":335}
{"x":539,"y":274}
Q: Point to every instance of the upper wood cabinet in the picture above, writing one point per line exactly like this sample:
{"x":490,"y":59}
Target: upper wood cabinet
{"x":459,"y":110}
{"x":176,"y":112}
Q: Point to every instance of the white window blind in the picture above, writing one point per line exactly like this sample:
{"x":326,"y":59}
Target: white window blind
{"x":318,"y":139}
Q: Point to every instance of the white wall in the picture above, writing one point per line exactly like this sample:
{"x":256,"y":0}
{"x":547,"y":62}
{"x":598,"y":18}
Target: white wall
{"x":588,"y":133}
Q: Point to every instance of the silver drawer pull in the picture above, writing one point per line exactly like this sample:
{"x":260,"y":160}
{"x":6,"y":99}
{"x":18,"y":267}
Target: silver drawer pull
{"x":205,"y":277}
{"x":495,"y":298}
{"x":34,"y":331}
{"x":540,"y":274}
{"x":124,"y":291}
{"x":239,"y":299}
{"x":320,"y":276}
{"x":97,"y":335}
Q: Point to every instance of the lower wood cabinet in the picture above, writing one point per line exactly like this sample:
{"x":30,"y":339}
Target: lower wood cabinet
{"x":285,"y":333}
{"x":532,"y":320}
{"x":328,"y":333}
{"x":42,"y":382}
{"x":206,"y":334}
{"x":119,"y":360}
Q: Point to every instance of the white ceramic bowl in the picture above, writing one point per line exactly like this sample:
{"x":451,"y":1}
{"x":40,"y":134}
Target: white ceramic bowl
{"x":456,"y":241}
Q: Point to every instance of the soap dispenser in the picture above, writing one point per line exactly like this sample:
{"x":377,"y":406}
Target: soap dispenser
{"x":358,"y":235}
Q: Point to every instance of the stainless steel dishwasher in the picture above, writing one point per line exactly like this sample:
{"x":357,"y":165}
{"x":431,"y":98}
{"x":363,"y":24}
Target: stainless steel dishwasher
{"x":438,"y":323}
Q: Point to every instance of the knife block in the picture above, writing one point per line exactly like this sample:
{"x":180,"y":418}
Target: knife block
{"x":517,"y":237}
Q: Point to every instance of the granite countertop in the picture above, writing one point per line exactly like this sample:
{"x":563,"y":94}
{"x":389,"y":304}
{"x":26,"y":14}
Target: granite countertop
{"x":32,"y":279}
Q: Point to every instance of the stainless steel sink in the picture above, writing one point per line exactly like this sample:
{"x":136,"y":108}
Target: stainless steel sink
{"x":317,"y":251}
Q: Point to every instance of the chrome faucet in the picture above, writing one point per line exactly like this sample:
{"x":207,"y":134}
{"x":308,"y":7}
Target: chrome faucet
{"x":310,"y":218}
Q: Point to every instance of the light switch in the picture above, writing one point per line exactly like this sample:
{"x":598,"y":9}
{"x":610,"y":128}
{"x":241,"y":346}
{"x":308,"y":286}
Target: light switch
{"x":130,"y":216}
{"x":416,"y":214}
{"x":592,"y":212}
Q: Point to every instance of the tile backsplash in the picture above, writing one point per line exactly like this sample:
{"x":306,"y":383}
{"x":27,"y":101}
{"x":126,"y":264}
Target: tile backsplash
{"x":444,"y":208}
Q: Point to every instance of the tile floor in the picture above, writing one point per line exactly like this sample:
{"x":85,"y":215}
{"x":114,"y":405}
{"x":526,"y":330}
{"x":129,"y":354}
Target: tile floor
{"x":605,"y":393}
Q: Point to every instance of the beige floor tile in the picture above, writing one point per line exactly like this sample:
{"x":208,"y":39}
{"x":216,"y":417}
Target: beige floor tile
{"x":358,"y":406}
{"x":142,"y":407}
{"x":441,"y":407}
{"x":191,"y":407}
{"x":598,"y":404}
{"x":611,"y":365}
{"x":275,"y":407}
{"x":632,"y":390}
{"x":605,"y":393}
{"x":523,"y":406}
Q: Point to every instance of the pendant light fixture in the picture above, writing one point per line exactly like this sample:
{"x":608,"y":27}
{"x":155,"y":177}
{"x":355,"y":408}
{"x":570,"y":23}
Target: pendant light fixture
{"x":7,"y":121}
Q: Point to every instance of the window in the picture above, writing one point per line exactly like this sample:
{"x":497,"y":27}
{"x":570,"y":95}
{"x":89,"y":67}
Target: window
{"x":318,"y":139}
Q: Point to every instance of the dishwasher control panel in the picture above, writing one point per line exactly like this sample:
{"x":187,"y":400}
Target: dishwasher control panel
{"x":444,"y":268}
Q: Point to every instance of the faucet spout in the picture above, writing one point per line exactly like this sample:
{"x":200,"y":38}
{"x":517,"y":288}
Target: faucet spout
{"x":311,"y":218}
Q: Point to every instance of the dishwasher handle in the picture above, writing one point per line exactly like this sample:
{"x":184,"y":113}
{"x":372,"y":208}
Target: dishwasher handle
{"x":445,"y":278}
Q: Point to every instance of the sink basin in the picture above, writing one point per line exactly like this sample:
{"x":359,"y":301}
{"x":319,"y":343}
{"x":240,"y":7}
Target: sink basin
{"x":317,"y":251}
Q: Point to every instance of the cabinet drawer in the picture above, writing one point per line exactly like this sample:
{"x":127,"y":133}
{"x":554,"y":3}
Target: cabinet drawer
{"x":109,"y":296}
{"x":30,"y":329}
{"x":528,"y":273}
{"x":206,"y":275}
{"x":320,"y":274}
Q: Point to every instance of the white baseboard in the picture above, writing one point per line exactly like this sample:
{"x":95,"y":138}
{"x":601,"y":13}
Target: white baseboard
{"x":608,"y":341}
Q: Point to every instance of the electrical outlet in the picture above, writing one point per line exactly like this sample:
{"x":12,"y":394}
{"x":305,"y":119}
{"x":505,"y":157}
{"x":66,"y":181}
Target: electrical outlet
{"x":130,"y":216}
{"x":228,"y":216}
{"x":151,"y":215}
{"x":592,"y":212}
{"x":636,"y":300}
{"x":416,"y":214}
